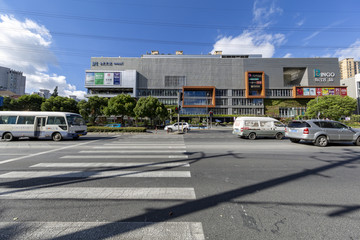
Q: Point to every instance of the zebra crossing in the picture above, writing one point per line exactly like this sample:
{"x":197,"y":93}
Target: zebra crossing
{"x":137,"y":156}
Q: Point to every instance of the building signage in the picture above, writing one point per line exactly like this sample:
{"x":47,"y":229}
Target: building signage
{"x":90,"y":78}
{"x":117,"y":78}
{"x":254,"y":85}
{"x":96,"y":64}
{"x":323,"y":76}
{"x":308,"y":92}
{"x":99,"y":78}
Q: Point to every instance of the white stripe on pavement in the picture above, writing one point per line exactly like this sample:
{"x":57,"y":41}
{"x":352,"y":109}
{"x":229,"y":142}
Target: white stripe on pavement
{"x":117,"y":146}
{"x":109,"y":230}
{"x":97,"y":193}
{"x":133,"y":151}
{"x":110,"y":165}
{"x":126,"y":156}
{"x":95,"y":174}
{"x":143,"y":144}
{"x":46,"y":152}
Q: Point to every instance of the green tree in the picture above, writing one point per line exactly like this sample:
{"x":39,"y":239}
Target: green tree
{"x":120,"y":105}
{"x":332,"y":107}
{"x":60,"y":104}
{"x":92,"y":108}
{"x":27,"y":103}
{"x":150,"y":107}
{"x":55,"y":92}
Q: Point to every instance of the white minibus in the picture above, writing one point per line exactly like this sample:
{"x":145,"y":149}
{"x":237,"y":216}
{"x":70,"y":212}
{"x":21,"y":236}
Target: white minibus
{"x":253,"y":127}
{"x":52,"y":125}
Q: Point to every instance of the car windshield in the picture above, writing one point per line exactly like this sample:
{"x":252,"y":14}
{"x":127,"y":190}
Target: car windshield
{"x":75,"y":120}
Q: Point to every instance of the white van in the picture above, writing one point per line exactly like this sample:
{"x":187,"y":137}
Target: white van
{"x":253,"y":127}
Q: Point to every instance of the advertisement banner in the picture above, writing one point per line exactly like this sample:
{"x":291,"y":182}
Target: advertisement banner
{"x":90,"y":78}
{"x":337,"y":91}
{"x":109,"y":79}
{"x":331,"y":91}
{"x":306,"y":91}
{"x":318,"y":92}
{"x":299,"y":92}
{"x":343,"y":92}
{"x":312,"y":91}
{"x":117,"y":78}
{"x":325,"y":91}
{"x":99,"y":78}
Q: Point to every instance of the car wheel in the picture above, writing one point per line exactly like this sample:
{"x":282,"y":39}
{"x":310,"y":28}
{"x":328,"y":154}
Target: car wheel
{"x":321,"y":141}
{"x":294,"y":140}
{"x":357,"y":141}
{"x":170,"y":129}
{"x":57,"y":137}
{"x":279,"y":136}
{"x":8,"y":137}
{"x":252,"y":136}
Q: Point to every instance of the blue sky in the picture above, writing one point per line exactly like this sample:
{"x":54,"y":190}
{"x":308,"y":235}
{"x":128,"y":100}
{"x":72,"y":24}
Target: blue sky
{"x":52,"y":41}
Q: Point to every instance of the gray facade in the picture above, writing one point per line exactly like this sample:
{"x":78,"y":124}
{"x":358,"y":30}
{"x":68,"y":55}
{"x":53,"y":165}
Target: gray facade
{"x":12,"y":80}
{"x":158,"y":75}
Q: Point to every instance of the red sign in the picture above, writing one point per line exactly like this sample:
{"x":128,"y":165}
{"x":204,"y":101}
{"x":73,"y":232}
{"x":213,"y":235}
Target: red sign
{"x":343,"y":92}
{"x":337,"y":91}
{"x":318,"y":91}
{"x":299,"y":91}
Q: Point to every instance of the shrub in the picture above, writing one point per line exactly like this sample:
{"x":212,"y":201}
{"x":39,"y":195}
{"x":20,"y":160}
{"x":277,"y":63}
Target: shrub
{"x":121,"y":129}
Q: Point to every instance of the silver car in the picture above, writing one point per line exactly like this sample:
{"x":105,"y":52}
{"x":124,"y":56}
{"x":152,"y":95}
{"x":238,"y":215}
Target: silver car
{"x":321,"y":132}
{"x":179,"y":126}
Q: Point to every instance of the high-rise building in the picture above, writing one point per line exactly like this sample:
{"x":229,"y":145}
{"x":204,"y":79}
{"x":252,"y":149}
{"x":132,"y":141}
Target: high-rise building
{"x":349,"y":68}
{"x":12,"y":80}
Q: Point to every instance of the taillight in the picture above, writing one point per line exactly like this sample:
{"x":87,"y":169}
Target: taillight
{"x":306,"y":131}
{"x":241,"y":129}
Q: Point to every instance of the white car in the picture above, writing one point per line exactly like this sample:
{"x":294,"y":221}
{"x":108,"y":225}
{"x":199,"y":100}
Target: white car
{"x":182,"y":126}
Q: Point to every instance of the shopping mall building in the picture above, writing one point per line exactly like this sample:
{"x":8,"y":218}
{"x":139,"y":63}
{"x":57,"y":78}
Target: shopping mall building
{"x":224,"y":84}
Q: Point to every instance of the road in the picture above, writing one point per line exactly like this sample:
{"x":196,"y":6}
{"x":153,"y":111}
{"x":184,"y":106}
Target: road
{"x":206,"y":184}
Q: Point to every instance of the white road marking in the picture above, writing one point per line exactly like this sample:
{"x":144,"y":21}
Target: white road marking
{"x":115,"y":230}
{"x":97,"y":193}
{"x":133,"y":151}
{"x":95,"y":174}
{"x":110,"y":165}
{"x":46,"y":152}
{"x":117,"y":146}
{"x":125,"y":156}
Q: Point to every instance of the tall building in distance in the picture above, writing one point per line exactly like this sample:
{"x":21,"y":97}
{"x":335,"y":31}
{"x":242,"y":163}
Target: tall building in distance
{"x":349,"y":68}
{"x":12,"y":80}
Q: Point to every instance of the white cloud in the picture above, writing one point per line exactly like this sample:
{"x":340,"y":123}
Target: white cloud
{"x":255,"y":41}
{"x":25,"y":47}
{"x":250,"y":43}
{"x":288,"y":55}
{"x":353,"y":51}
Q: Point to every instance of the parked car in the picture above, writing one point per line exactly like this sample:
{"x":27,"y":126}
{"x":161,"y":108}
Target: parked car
{"x":321,"y":132}
{"x":115,"y":125}
{"x":253,"y":127}
{"x":182,"y":126}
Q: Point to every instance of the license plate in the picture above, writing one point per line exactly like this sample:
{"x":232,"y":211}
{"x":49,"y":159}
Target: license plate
{"x":293,"y":130}
{"x":80,"y":135}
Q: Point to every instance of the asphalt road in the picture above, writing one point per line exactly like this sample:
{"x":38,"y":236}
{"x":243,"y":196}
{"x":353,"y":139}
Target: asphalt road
{"x":206,"y":184}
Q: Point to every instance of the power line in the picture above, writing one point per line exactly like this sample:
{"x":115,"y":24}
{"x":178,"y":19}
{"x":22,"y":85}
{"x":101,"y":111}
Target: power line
{"x":182,"y":25}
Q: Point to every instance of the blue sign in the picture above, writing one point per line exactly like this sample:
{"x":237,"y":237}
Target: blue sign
{"x":1,"y":101}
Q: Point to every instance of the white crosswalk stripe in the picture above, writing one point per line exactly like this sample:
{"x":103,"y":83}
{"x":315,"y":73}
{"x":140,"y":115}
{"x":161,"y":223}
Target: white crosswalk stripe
{"x":95,"y":174}
{"x":125,"y":156}
{"x":115,"y":230}
{"x":110,"y":165}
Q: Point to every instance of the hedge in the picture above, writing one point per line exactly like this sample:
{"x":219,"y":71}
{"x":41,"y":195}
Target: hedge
{"x":120,"y":129}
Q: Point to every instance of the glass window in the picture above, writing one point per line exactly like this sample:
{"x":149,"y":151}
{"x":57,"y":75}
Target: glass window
{"x":326,"y":125}
{"x":74,"y":120}
{"x":8,"y":119}
{"x":297,"y":124}
{"x":250,"y":123}
{"x":339,"y":125}
{"x":265,"y":124}
{"x":175,"y":81}
{"x":56,"y":121}
{"x":26,"y":120}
